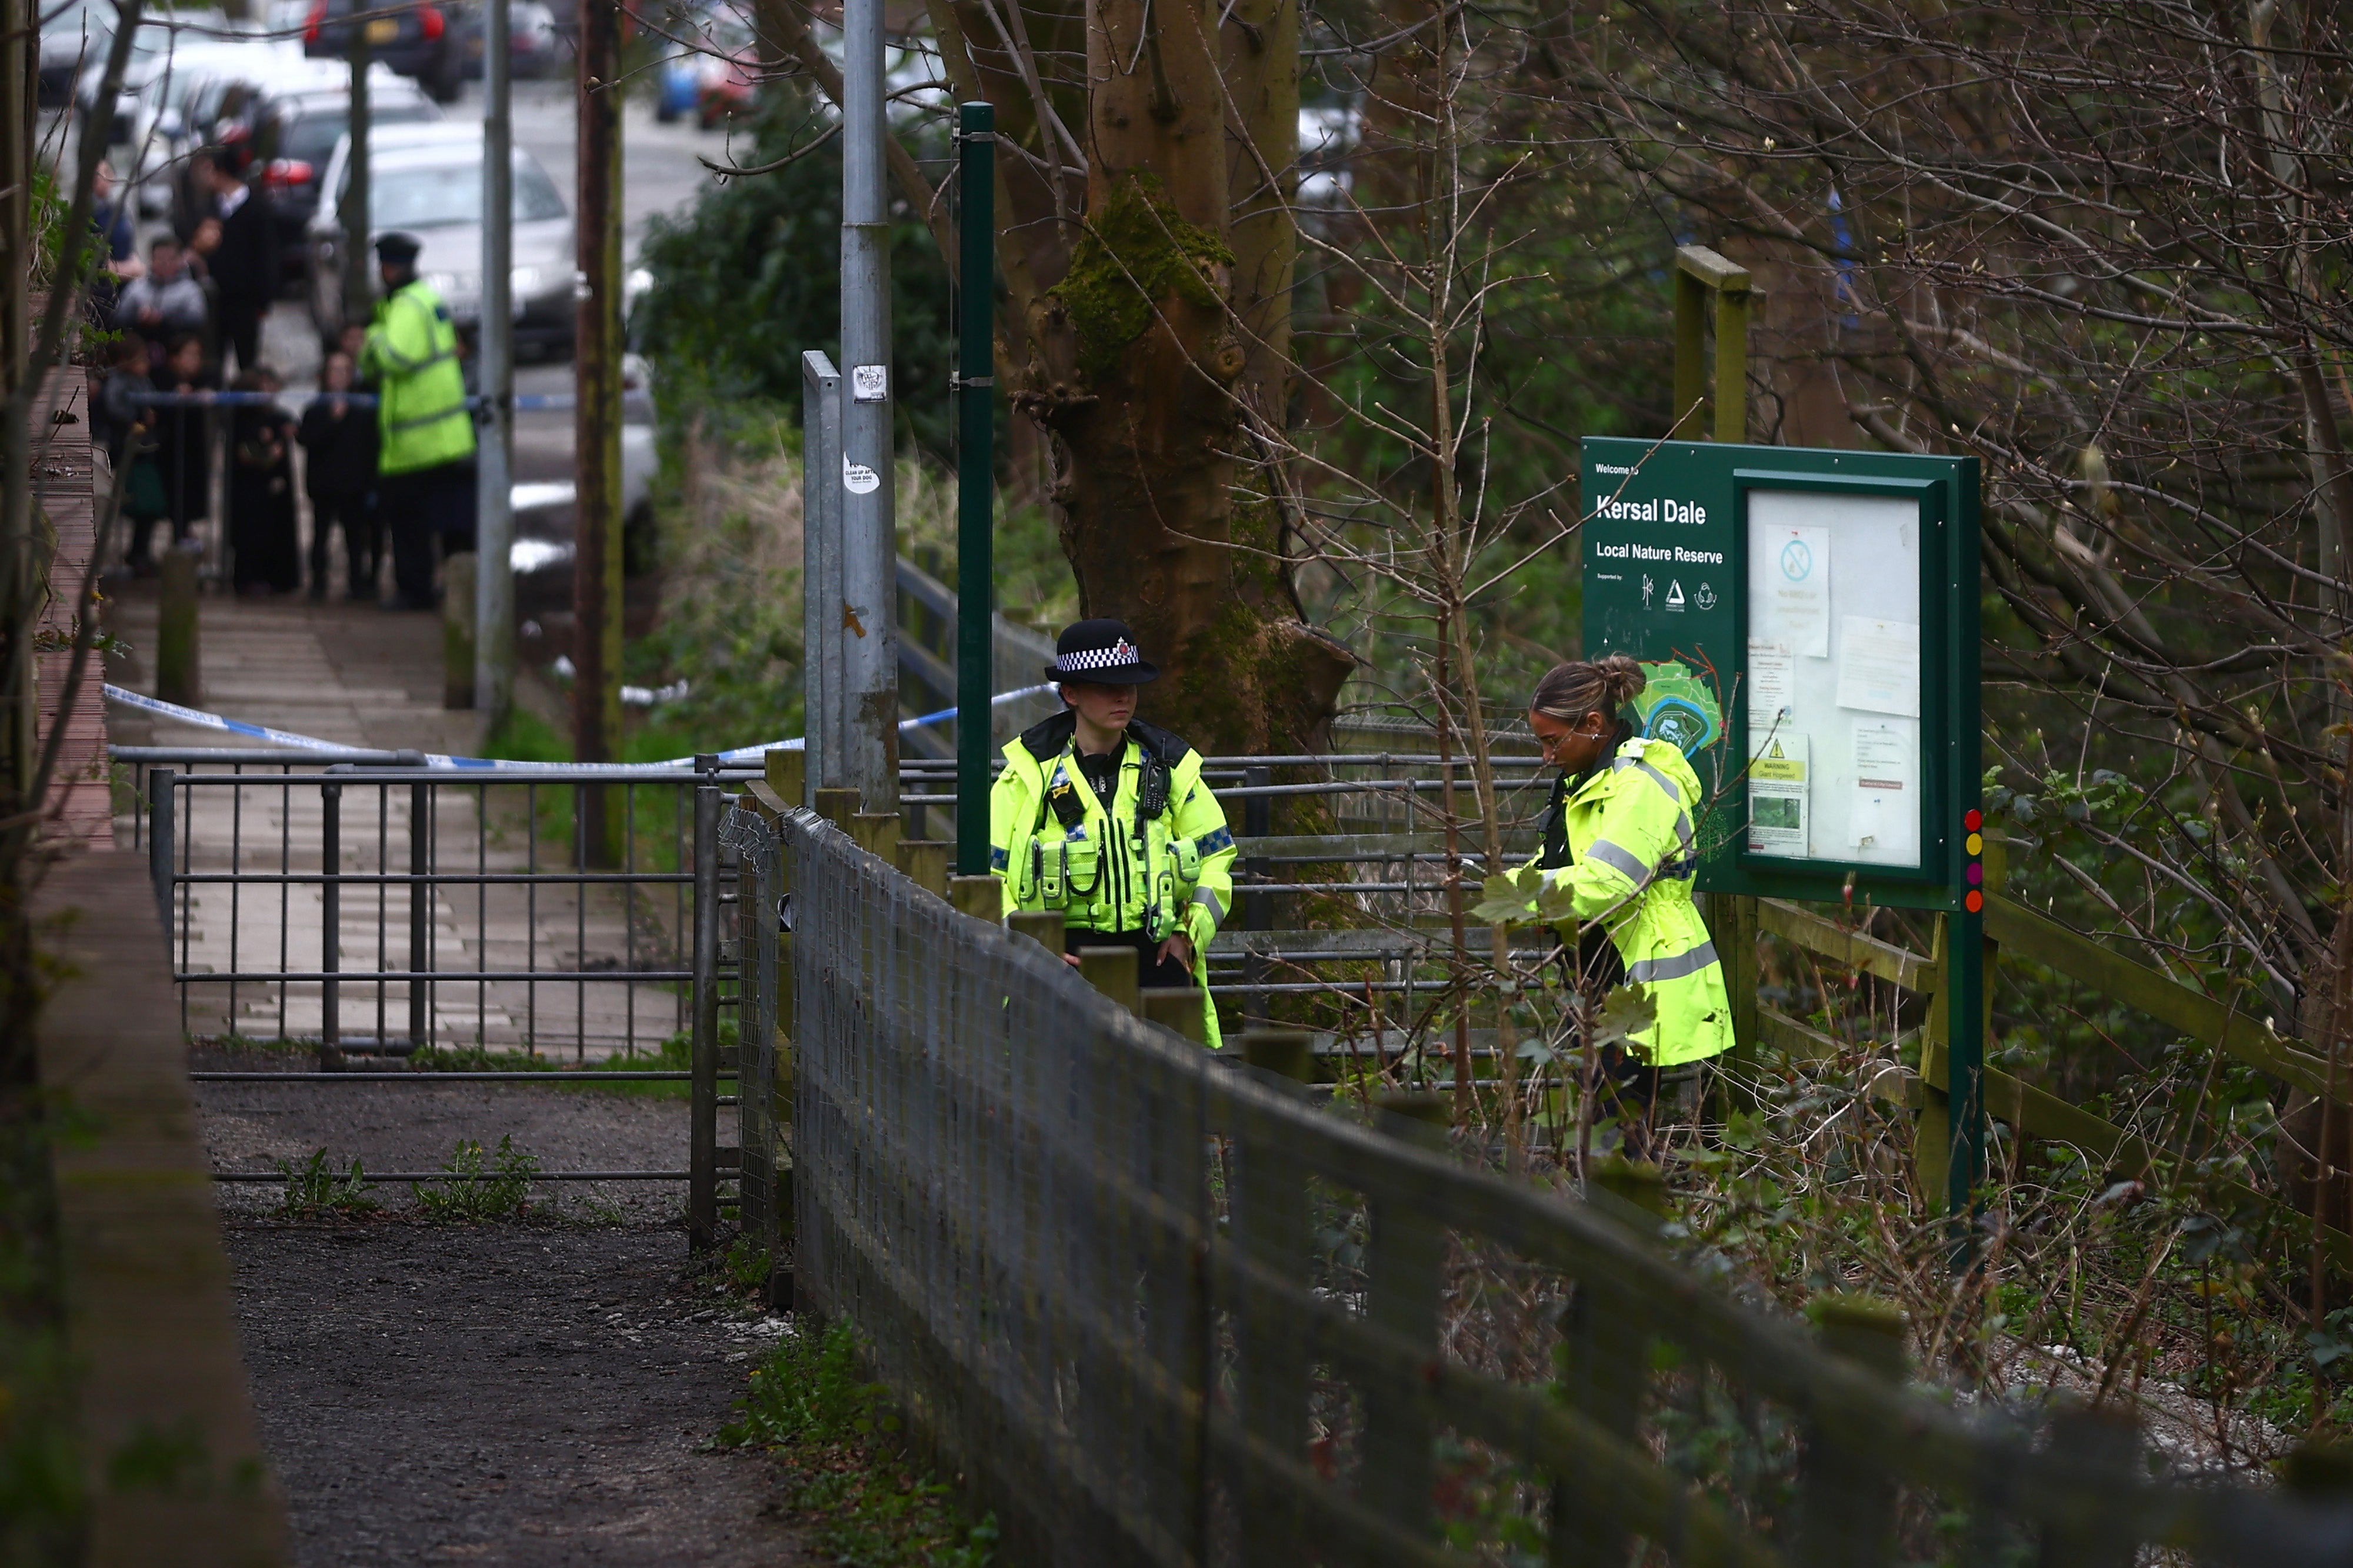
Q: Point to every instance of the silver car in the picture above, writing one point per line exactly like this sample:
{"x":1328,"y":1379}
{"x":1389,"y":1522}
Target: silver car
{"x":426,"y":180}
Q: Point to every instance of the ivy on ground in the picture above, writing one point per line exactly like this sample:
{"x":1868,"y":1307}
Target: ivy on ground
{"x":834,"y":1431}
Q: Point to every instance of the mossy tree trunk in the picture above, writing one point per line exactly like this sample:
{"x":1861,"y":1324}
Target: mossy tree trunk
{"x":1148,"y":357}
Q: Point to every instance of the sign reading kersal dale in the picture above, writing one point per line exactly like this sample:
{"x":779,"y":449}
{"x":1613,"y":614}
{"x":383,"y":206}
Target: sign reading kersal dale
{"x":1808,"y":621}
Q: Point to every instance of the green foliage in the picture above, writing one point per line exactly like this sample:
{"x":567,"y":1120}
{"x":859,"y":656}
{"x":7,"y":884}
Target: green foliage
{"x":751,"y":276}
{"x":315,"y":1189}
{"x":730,"y":619}
{"x":1134,"y":254}
{"x":747,"y":1265}
{"x":832,"y":1427}
{"x":479,"y":1186}
{"x":41,"y":1495}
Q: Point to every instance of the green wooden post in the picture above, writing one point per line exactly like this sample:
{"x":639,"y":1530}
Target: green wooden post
{"x":877,"y":832}
{"x":1405,"y":1259}
{"x":982,"y":898}
{"x":1043,"y":926}
{"x":1271,"y":1220}
{"x":1846,"y":1504}
{"x":1691,"y":357}
{"x":1732,"y":359}
{"x":1604,"y":1359}
{"x":176,"y":663}
{"x":787,"y":774}
{"x":1699,"y":273}
{"x":976,"y":650}
{"x":1178,"y":1011}
{"x":925,"y":863}
{"x":837,"y":807}
{"x":1113,"y":972}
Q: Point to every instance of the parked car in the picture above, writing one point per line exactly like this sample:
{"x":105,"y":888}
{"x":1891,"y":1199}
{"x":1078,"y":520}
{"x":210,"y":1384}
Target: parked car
{"x":294,"y":133}
{"x":416,"y":40}
{"x":71,"y":36}
{"x":426,"y":180}
{"x":161,"y":41}
{"x":731,"y":76}
{"x":223,"y":94}
{"x":534,"y":47}
{"x":162,"y":135}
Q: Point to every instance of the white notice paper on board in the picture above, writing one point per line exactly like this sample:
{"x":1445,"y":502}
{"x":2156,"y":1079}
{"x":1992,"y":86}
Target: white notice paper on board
{"x":1772,"y":682}
{"x":1884,"y":815}
{"x":1879,"y":665}
{"x":1798,"y":586}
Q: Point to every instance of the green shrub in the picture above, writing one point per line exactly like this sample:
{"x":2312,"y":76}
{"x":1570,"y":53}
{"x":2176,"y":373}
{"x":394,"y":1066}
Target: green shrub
{"x":832,"y":1426}
{"x":315,"y":1188}
{"x":481,"y":1186}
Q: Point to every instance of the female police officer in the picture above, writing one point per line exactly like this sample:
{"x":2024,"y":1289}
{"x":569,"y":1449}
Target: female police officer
{"x":1105,"y":818}
{"x":1618,"y":836}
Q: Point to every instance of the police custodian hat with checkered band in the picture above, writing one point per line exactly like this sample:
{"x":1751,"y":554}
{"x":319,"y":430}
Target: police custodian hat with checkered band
{"x":1100,"y":651}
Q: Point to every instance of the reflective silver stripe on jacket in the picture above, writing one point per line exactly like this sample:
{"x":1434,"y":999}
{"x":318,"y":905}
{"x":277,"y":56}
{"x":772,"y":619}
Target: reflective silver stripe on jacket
{"x":427,"y":419}
{"x":1652,"y":969}
{"x":1217,"y":909}
{"x":1617,"y":858}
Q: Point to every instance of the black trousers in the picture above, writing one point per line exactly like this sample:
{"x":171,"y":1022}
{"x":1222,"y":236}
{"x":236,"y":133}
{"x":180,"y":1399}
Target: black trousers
{"x":362,"y":540}
{"x":241,"y":325}
{"x":1170,"y":974}
{"x":419,"y":508}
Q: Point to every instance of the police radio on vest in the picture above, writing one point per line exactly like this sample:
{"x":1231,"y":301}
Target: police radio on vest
{"x":1657,"y":510}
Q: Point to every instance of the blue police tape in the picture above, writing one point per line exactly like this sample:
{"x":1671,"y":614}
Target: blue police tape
{"x":203,"y":720}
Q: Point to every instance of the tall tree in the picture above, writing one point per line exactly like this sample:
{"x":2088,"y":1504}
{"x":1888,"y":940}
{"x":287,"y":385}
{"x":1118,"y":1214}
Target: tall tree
{"x":1147,"y":244}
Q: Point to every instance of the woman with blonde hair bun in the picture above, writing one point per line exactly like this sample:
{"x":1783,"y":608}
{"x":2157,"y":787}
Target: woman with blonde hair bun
{"x":1618,"y":836}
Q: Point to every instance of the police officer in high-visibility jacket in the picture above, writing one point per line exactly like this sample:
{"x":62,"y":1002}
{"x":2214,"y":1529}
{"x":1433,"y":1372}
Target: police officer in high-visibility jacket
{"x":425,"y":465}
{"x":1618,"y":836}
{"x":1105,"y":818}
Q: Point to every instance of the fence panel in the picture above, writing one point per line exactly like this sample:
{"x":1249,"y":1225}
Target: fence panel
{"x":1161,"y":1309}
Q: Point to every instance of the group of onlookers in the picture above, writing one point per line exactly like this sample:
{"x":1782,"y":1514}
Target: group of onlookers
{"x":179,"y":317}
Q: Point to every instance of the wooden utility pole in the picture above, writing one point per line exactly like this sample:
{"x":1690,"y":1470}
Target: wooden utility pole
{"x":17,"y":572}
{"x":596,"y":422}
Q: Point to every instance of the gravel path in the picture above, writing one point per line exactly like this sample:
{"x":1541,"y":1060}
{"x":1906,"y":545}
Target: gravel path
{"x":412,"y":1126}
{"x":533,"y":1390}
{"x":512,"y":1393}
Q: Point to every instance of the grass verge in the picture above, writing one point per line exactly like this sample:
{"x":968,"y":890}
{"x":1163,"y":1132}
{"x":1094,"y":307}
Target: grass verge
{"x":834,"y":1431}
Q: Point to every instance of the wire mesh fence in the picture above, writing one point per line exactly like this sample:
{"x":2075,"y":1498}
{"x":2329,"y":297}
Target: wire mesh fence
{"x":1159,"y":1308}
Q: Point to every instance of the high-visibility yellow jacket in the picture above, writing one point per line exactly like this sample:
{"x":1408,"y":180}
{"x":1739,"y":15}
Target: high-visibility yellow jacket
{"x":412,"y":355}
{"x":1115,"y":866}
{"x":1620,"y":841}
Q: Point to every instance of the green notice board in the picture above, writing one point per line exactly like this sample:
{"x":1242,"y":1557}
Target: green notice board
{"x":1810,"y":624}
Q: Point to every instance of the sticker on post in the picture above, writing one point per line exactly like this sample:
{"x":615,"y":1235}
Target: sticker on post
{"x":869,"y":384}
{"x":857,"y":478}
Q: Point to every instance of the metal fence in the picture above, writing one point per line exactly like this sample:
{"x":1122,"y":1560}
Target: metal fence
{"x":491,"y":924}
{"x":1160,"y":1308}
{"x":375,"y":908}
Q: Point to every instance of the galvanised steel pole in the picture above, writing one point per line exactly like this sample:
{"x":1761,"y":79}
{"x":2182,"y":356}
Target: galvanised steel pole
{"x":702,"y":1122}
{"x":821,"y":633}
{"x":494,"y":558}
{"x":976,"y":479}
{"x":359,"y":267}
{"x":869,"y":695}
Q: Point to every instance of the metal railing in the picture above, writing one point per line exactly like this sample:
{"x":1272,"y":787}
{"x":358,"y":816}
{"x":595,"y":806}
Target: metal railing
{"x":378,"y":909}
{"x":1159,"y":1309}
{"x":390,"y":917}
